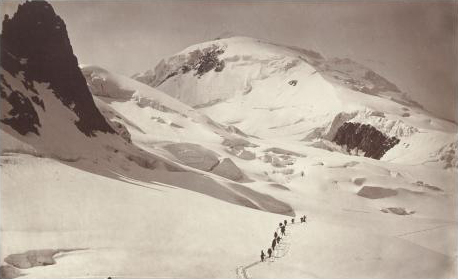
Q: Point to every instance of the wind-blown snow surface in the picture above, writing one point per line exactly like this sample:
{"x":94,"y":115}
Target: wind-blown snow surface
{"x":162,"y":212}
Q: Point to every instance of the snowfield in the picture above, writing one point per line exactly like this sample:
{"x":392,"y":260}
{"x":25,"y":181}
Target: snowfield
{"x":205,"y":165}
{"x":169,"y":231}
{"x":123,"y":227}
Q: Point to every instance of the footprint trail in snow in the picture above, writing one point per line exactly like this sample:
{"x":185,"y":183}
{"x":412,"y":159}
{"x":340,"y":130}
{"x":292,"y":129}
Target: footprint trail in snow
{"x":281,"y":250}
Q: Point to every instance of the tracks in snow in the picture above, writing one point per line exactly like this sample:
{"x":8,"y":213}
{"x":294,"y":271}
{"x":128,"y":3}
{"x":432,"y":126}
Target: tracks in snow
{"x":424,"y":230}
{"x":281,"y":250}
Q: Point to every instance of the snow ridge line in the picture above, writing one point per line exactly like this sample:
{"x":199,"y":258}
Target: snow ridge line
{"x":241,"y":271}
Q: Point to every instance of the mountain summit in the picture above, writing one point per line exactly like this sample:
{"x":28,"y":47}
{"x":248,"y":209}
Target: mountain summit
{"x":275,"y":91}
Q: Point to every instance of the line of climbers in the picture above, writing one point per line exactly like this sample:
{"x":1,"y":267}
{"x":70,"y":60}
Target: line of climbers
{"x":277,"y":238}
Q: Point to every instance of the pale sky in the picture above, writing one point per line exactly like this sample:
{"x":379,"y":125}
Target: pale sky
{"x":413,"y":44}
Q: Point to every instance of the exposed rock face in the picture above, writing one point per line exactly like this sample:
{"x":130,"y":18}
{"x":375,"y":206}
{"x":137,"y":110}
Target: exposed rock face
{"x":377,"y":119}
{"x":208,"y":60}
{"x":364,"y":137}
{"x":200,"y":61}
{"x":21,"y":114}
{"x":34,"y":42}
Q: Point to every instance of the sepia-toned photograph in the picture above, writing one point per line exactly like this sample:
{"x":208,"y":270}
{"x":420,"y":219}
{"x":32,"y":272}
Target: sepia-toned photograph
{"x":228,"y":139}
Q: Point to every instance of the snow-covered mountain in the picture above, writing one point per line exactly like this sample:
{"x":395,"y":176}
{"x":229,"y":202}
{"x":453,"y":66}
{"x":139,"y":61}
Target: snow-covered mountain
{"x":274,"y":91}
{"x":52,"y":113}
{"x":164,"y":125}
{"x":189,"y":174}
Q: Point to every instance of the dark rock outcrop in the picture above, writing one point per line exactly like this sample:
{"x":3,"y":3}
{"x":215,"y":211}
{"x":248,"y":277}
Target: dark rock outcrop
{"x":205,"y":60}
{"x":198,"y":62}
{"x":364,"y":137}
{"x":22,"y":116}
{"x":35,"y":41}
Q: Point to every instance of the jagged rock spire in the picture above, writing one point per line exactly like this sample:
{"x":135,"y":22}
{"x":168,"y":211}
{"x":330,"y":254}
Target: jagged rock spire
{"x":35,"y":41}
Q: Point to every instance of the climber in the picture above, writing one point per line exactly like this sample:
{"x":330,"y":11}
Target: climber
{"x":282,"y":230}
{"x":278,"y":239}
{"x":285,"y":222}
{"x":292,"y":221}
{"x":269,"y":252}
{"x":262,"y":255}
{"x":274,"y":243}
{"x":275,"y":235}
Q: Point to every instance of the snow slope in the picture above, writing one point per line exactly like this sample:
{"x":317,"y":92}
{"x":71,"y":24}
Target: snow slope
{"x":119,"y":214}
{"x":118,"y":220}
{"x":244,"y":81}
{"x":125,"y":228}
{"x":163,"y":125}
{"x":152,"y":111}
{"x":194,"y":230}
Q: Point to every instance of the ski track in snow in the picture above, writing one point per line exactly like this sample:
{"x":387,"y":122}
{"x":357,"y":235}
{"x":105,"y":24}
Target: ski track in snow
{"x":281,"y":250}
{"x":424,"y":230}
